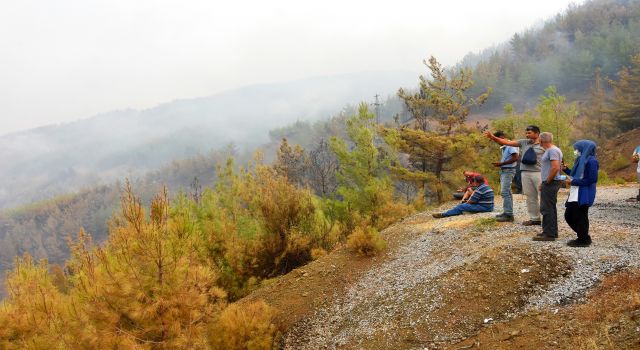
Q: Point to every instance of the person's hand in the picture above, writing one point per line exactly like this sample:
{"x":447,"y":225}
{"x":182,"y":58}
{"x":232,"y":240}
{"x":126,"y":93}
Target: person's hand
{"x":497,"y":164}
{"x":568,"y":181}
{"x":489,"y":135}
{"x":540,"y":187}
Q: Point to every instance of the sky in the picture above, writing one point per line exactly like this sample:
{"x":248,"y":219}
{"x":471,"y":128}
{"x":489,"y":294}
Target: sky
{"x":65,"y":60}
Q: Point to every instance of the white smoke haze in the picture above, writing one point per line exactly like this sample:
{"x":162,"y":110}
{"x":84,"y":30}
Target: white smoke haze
{"x":70,"y":59}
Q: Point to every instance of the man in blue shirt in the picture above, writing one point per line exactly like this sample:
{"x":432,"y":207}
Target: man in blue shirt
{"x":507,"y":165}
{"x":481,"y":200}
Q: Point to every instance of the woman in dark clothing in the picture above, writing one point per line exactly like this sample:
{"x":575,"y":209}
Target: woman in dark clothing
{"x":583,"y":178}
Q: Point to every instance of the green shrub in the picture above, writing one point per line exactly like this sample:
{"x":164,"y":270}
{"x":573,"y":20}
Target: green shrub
{"x":484,"y":224}
{"x":603,"y":178}
{"x":620,"y":162}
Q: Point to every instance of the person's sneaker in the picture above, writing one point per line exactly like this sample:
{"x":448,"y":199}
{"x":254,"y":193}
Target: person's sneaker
{"x":543,"y":238}
{"x":438,"y":215}
{"x":500,"y":215}
{"x":578,"y":243}
{"x":504,"y":218}
{"x":532,"y":223}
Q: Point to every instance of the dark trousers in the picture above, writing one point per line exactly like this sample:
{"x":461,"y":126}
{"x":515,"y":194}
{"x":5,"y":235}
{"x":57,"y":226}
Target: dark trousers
{"x":577,"y":217}
{"x":548,"y":201}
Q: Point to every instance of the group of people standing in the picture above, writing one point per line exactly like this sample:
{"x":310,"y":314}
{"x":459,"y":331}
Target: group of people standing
{"x":541,"y":166}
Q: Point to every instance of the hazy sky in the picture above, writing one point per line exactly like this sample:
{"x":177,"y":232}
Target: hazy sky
{"x":63,"y":60}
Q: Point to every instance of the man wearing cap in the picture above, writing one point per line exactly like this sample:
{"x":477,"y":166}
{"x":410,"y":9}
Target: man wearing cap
{"x":481,"y":200}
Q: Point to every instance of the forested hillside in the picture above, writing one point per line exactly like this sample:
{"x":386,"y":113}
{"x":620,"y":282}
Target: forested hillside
{"x":155,"y":267}
{"x":42,"y":229}
{"x":565,"y":51}
{"x":41,"y":163}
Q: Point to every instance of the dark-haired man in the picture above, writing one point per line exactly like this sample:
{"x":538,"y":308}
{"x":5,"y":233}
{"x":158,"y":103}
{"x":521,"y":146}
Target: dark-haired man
{"x":481,"y":200}
{"x":531,"y":152}
{"x":507,"y":165}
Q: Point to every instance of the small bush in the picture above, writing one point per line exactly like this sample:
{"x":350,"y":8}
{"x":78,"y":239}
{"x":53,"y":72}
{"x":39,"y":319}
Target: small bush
{"x":365,"y":241}
{"x":484,"y":224}
{"x":317,"y":253}
{"x":620,"y":162}
{"x":603,"y":178}
{"x":246,"y":326}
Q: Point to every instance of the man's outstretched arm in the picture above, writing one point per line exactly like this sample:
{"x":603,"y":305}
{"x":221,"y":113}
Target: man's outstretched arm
{"x":503,"y":142}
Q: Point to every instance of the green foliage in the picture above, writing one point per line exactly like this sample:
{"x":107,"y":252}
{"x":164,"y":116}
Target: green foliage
{"x":150,"y":286}
{"x":439,"y":141}
{"x":364,"y":184}
{"x":484,"y":224}
{"x":552,"y":114}
{"x":625,"y":104}
{"x":598,"y":123}
{"x":558,"y":117}
{"x":603,"y":179}
{"x":258,"y":225}
{"x":565,"y":51}
{"x":620,"y":162}
{"x":291,"y":162}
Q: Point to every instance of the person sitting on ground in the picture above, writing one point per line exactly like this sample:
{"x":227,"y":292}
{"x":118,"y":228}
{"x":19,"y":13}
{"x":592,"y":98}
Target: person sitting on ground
{"x":467,"y":191}
{"x":480,"y":202}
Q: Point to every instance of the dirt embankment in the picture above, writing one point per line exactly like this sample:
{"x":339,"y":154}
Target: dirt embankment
{"x":618,"y":152}
{"x":469,"y":282}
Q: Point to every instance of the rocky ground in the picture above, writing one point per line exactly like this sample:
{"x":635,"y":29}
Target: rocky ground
{"x":468,"y":282}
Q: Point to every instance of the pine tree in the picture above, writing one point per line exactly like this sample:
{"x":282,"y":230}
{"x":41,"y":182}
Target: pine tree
{"x":625,"y":104}
{"x":322,"y":168}
{"x":291,"y":162}
{"x":439,"y":141}
{"x":363,"y":176}
{"x":598,"y":123}
{"x":557,"y":117}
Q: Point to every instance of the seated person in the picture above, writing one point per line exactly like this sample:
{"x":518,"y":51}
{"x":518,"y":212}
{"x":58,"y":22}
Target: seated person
{"x":467,"y":191}
{"x":480,"y":201}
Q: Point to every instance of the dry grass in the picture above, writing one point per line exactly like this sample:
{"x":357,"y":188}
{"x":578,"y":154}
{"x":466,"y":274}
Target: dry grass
{"x":608,"y":320}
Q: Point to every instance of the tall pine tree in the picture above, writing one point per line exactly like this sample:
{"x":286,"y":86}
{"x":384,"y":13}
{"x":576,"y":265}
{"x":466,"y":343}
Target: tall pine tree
{"x":625,"y":104}
{"x":438,"y":141}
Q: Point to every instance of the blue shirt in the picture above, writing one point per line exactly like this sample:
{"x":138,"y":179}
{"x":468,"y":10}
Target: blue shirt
{"x":482,"y":195}
{"x":507,"y":151}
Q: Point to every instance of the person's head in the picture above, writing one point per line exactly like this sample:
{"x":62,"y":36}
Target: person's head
{"x":532,"y":132}
{"x":546,"y":139}
{"x":500,"y":134}
{"x":478,"y":180}
{"x":586,"y":147}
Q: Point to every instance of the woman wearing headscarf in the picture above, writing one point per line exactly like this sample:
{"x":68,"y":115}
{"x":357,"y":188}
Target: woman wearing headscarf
{"x":583,"y":179}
